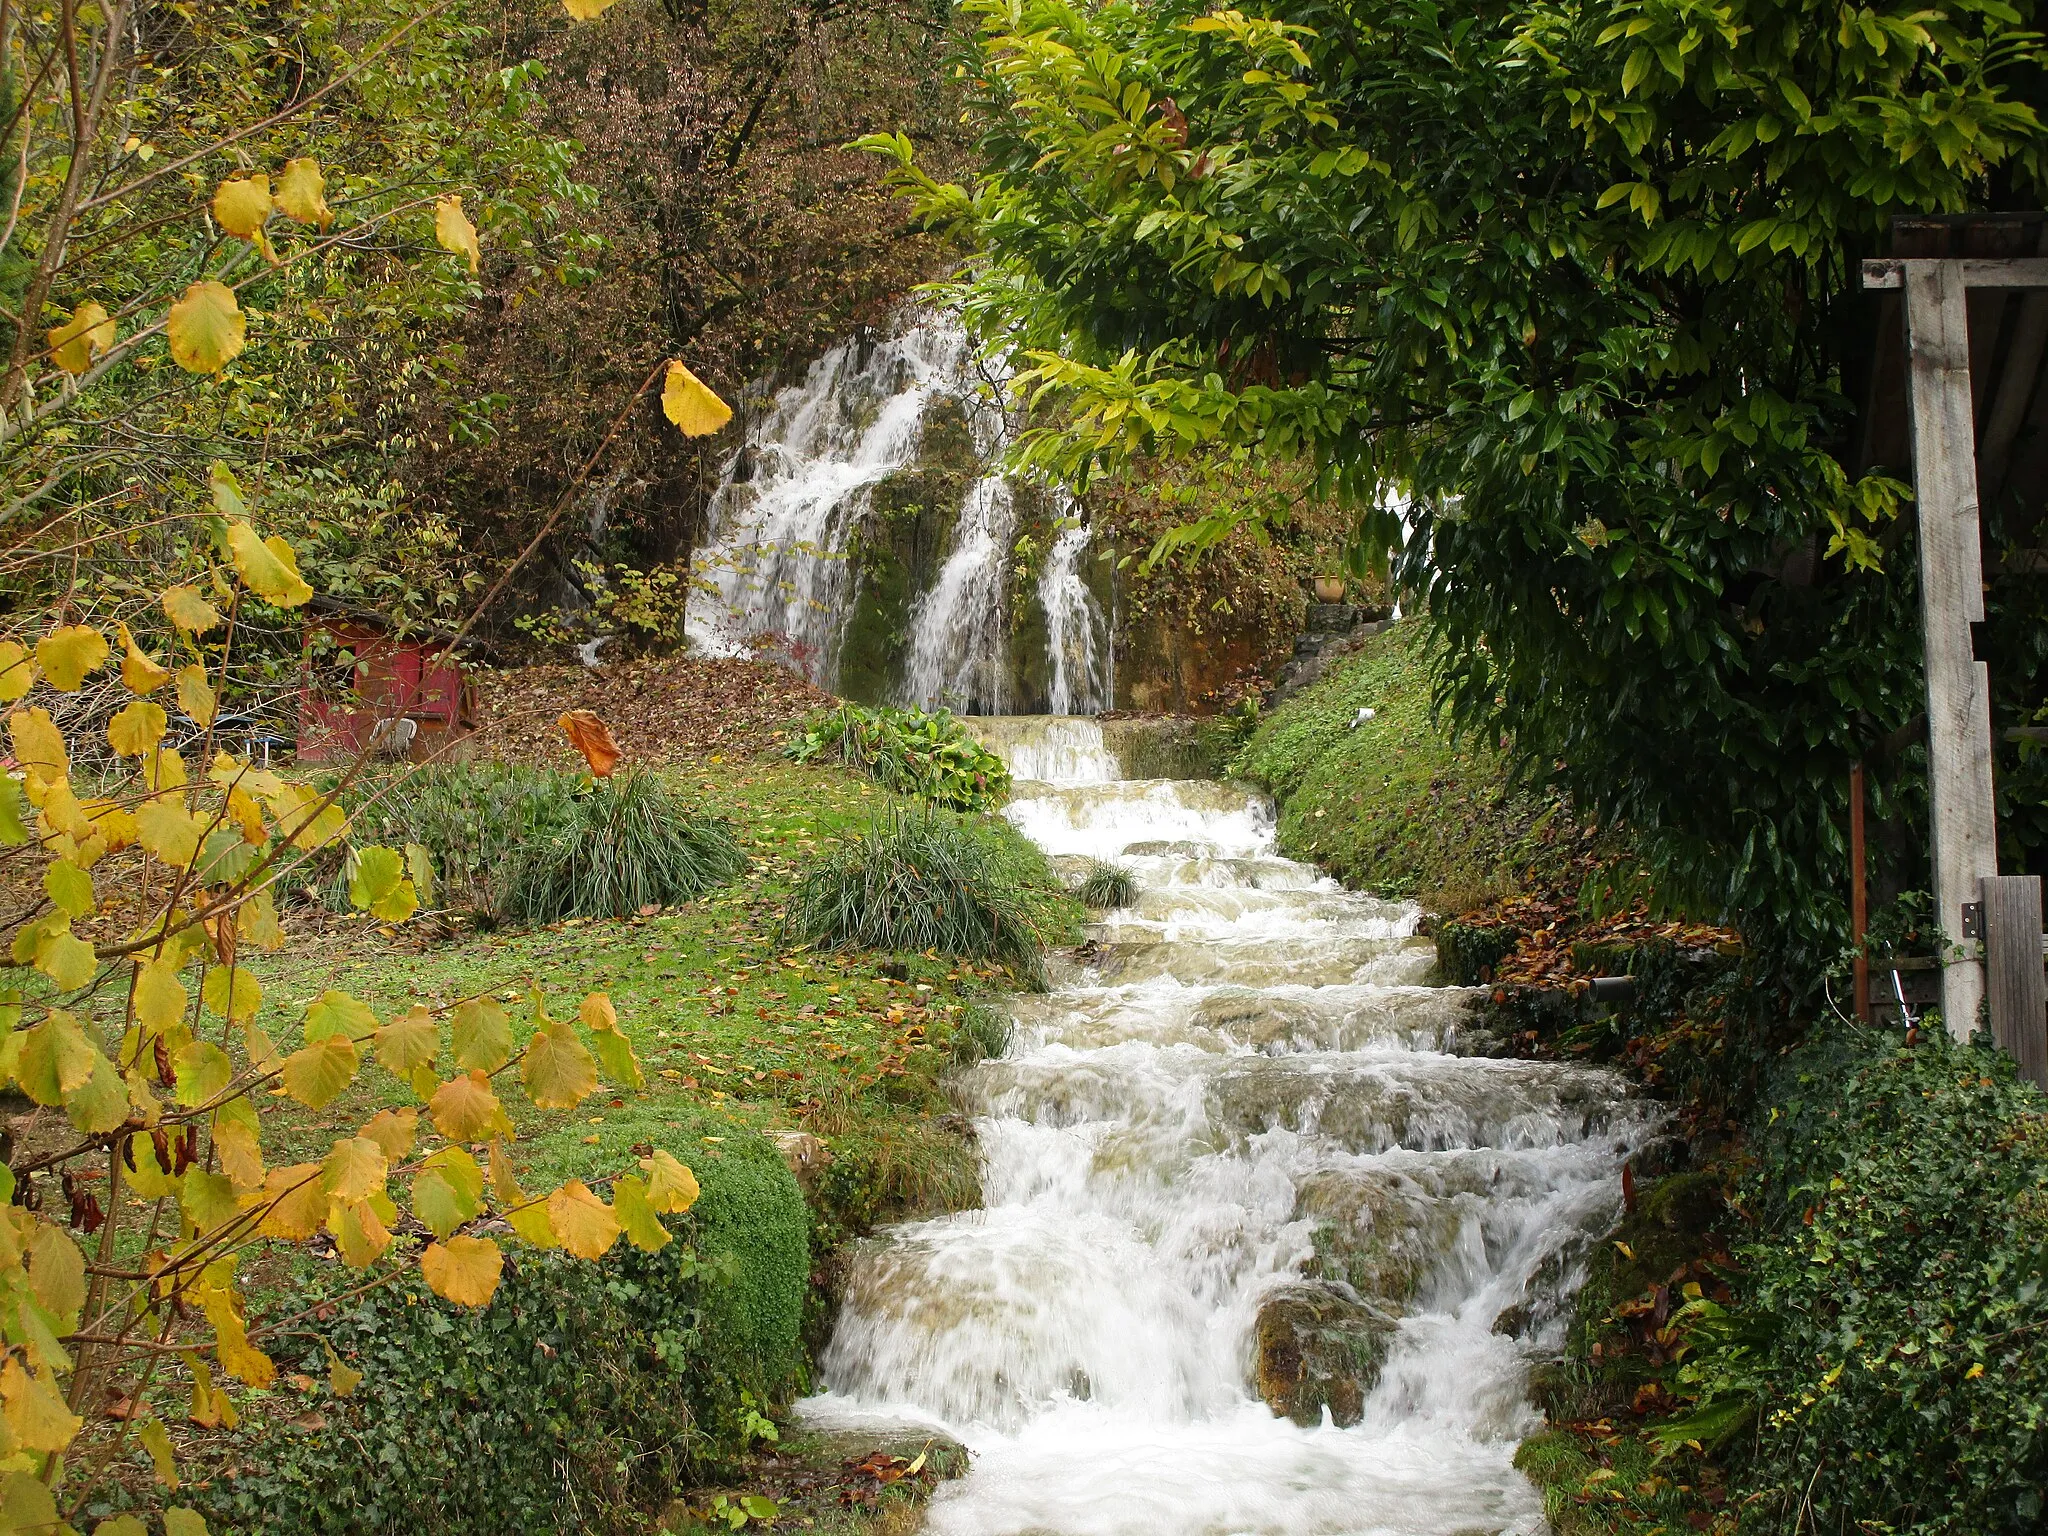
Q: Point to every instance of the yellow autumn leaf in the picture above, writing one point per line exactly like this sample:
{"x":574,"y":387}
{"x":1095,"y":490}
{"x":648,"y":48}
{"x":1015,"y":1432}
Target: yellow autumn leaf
{"x":297,"y":1201}
{"x":463,"y":1270}
{"x":583,"y":1224}
{"x":359,"y":1232}
{"x":202,"y":1069}
{"x":233,"y":992}
{"x":482,"y":1036}
{"x":39,"y":745}
{"x":587,"y":10}
{"x":408,"y":1042}
{"x":165,"y":828}
{"x":354,"y":1170}
{"x":207,"y":328}
{"x":267,"y":567}
{"x":139,"y":670}
{"x":241,"y":205}
{"x":455,"y":233}
{"x":341,"y":1379}
{"x":159,"y":996}
{"x":35,"y":1410}
{"x":85,"y":336}
{"x":136,"y":728}
{"x":156,"y":1439}
{"x":671,"y":1187}
{"x":504,"y":1181}
{"x":188,"y":608}
{"x":530,"y":1222}
{"x":207,"y":1199}
{"x":395,"y":1130}
{"x":636,"y":1215}
{"x":302,"y":193}
{"x":558,"y":1071}
{"x":56,"y":1273}
{"x":241,"y":1158}
{"x":195,"y":694}
{"x":691,"y":404}
{"x":315,"y":1075}
{"x":69,"y":655}
{"x":17,"y":671}
{"x":465,"y":1109}
{"x":238,"y":1357}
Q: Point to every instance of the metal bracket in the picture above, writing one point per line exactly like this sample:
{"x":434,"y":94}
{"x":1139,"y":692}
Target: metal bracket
{"x":1973,"y":919}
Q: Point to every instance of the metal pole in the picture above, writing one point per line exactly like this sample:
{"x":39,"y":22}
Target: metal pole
{"x":1859,"y":914}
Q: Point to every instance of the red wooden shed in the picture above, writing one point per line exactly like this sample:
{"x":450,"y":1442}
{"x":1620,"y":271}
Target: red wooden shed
{"x":363,"y":685}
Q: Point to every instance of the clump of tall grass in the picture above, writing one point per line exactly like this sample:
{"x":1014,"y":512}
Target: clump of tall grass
{"x":517,"y":844}
{"x":1106,"y":886}
{"x":923,"y":879}
{"x":612,"y":847}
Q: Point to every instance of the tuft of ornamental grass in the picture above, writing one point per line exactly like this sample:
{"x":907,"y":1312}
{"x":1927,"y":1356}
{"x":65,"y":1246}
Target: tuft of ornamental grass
{"x":1106,"y":886}
{"x":615,"y":846}
{"x":531,"y":845}
{"x":927,"y":880}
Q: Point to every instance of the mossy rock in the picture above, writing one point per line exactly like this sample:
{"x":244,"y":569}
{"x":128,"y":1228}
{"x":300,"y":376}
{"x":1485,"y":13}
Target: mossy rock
{"x":1466,"y":953}
{"x":1318,"y":1347}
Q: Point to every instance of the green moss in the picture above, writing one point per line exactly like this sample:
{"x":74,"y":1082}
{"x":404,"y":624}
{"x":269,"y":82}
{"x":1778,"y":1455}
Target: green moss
{"x":1394,"y":804}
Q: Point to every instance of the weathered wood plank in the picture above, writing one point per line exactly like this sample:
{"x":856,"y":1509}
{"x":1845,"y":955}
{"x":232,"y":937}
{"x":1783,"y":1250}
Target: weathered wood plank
{"x":1977,"y":272}
{"x":1951,"y":599}
{"x":2015,"y":984}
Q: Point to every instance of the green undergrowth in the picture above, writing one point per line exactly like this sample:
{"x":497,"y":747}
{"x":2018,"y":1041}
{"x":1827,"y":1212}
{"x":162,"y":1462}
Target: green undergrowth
{"x":583,"y":1394}
{"x":924,"y":753}
{"x":1396,"y":804}
{"x":1829,"y":1309}
{"x":600,"y":1382}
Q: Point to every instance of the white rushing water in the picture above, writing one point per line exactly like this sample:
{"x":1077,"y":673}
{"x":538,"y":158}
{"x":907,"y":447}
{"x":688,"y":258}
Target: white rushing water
{"x":774,"y":572}
{"x":1247,"y":1073}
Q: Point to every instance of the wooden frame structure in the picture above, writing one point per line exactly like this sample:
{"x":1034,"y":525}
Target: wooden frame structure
{"x":1993,"y":921}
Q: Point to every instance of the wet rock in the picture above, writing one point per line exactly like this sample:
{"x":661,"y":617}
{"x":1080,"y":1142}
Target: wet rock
{"x":806,"y":1155}
{"x":1319,"y":1347}
{"x":1377,"y":1233}
{"x":1513,"y":1322}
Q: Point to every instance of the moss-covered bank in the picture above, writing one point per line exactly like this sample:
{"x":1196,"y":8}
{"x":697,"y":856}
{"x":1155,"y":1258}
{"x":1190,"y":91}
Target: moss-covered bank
{"x":1397,"y":804}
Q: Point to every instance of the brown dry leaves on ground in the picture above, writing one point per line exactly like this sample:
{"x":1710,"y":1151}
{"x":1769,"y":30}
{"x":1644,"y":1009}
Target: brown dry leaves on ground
{"x":660,"y":710}
{"x":1552,"y":929}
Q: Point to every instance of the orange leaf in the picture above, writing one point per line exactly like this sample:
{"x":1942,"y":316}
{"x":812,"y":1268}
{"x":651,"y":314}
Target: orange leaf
{"x":589,"y":735}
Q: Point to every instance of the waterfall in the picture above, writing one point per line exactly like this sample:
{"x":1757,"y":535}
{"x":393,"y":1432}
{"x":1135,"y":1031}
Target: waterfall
{"x":775,"y":572}
{"x":1264,"y":1252}
{"x":956,"y":629}
{"x":1074,"y":626}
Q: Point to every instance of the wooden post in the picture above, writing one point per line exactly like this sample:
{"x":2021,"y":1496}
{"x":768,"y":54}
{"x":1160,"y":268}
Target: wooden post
{"x":1951,"y":599}
{"x":1859,"y":909}
{"x":2018,"y":989}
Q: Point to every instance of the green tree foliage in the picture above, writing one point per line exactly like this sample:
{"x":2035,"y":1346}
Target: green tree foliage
{"x":1576,"y":280}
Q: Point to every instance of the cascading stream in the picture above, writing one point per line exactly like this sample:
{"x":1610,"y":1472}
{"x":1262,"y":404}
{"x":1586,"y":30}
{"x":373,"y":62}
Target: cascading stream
{"x":1246,"y":1109}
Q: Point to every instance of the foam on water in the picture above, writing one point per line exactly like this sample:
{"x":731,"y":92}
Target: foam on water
{"x":1247,"y":1056}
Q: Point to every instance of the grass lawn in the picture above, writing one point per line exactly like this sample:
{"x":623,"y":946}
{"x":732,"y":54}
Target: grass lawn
{"x":723,"y":1020}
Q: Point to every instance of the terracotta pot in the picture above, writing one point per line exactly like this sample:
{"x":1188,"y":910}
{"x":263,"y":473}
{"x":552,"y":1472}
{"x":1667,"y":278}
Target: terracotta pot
{"x":1329,"y":589}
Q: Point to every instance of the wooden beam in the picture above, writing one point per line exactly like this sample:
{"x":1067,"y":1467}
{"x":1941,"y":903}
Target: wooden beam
{"x":1977,"y":272}
{"x":1951,"y":599}
{"x":2017,"y":987}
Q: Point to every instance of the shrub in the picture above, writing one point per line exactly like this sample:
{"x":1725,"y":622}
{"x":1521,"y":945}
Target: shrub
{"x":928,"y":880}
{"x":1885,"y":1364}
{"x":928,"y":754}
{"x":534,"y":845}
{"x":1107,"y":885}
{"x":582,"y":1392}
{"x":614,"y":846}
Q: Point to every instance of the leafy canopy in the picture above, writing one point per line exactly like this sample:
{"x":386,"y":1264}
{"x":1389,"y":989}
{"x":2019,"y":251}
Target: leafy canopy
{"x":1559,"y":295}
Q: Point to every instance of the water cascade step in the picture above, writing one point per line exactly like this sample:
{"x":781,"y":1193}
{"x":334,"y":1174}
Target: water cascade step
{"x":872,"y":487}
{"x":1263,"y":1254}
